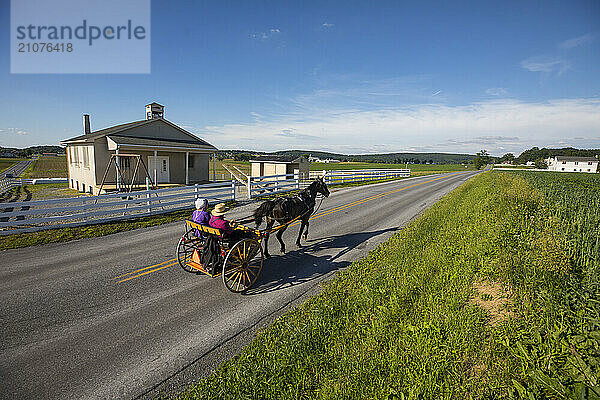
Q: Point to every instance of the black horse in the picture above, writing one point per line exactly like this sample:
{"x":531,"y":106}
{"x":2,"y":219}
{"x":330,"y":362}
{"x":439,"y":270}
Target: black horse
{"x":286,"y":209}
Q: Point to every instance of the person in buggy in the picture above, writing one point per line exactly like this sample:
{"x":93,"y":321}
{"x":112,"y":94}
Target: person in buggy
{"x":226,"y":227}
{"x":201,"y":216}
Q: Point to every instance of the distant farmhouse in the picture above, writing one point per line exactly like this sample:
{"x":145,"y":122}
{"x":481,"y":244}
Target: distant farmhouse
{"x":326,"y":161}
{"x":573,"y":164}
{"x":169,"y":153}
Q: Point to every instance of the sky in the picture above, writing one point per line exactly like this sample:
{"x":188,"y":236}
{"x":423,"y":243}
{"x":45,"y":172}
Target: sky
{"x":348,"y":77}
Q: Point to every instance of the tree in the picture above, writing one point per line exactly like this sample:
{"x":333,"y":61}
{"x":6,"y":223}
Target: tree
{"x":482,"y":159}
{"x":541,"y":164}
{"x":508,"y":157}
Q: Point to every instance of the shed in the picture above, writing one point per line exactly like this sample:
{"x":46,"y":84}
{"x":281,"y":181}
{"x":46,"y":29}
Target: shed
{"x":280,"y":165}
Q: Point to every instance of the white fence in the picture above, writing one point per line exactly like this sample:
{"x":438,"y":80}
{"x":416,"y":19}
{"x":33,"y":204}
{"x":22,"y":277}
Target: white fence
{"x":8,"y":183}
{"x":336,"y":177}
{"x":266,"y":185}
{"x":269,"y":184}
{"x":29,"y":216}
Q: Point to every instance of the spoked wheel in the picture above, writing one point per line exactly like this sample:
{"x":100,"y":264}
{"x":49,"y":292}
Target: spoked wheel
{"x":185,"y":250}
{"x":242,"y":265}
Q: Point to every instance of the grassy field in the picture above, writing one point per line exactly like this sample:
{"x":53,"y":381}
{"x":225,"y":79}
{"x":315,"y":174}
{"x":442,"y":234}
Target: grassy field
{"x":47,"y":167}
{"x":6,"y":163}
{"x":416,"y":169}
{"x":492,"y":293}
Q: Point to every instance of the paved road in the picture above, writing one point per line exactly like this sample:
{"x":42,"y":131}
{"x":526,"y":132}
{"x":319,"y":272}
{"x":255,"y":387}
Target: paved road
{"x":15,"y":171}
{"x":78,"y":322}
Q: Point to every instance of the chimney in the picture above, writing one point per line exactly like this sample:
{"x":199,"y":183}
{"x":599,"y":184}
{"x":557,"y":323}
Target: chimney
{"x":86,"y":124}
{"x":155,"y":111}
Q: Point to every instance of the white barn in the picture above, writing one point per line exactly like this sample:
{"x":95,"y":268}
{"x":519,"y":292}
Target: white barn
{"x":572,"y":164}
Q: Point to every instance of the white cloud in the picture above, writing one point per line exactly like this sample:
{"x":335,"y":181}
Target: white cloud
{"x":271,"y":33}
{"x":546,"y":64}
{"x":15,"y":131}
{"x":498,"y":126}
{"x":496,"y":91}
{"x":576,"y":42}
{"x":327,"y":25}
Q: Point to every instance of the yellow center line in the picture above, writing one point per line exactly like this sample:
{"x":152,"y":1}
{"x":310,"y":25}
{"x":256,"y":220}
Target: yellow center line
{"x":147,"y":272}
{"x":145,"y":268}
{"x":318,"y":215}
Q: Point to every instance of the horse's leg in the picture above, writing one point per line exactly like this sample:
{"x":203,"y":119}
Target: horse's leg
{"x":278,"y":235}
{"x":270,"y":223}
{"x":300,"y":234}
{"x":306,"y":231}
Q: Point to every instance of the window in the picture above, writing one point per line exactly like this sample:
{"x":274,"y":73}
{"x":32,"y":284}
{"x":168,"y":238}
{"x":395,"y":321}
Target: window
{"x":86,"y":159}
{"x":576,"y":163}
{"x":564,"y":162}
{"x":191,"y":161}
{"x":75,"y":153}
{"x":164,"y":165}
{"x":590,"y":163}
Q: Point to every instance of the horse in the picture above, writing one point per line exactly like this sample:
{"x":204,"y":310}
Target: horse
{"x":286,"y":209}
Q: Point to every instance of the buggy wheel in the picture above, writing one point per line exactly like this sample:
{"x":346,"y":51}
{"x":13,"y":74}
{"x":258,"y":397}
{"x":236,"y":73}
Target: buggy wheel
{"x":242,"y":265}
{"x":185,"y":250}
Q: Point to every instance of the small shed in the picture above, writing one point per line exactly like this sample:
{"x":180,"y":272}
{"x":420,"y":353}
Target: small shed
{"x":280,"y":165}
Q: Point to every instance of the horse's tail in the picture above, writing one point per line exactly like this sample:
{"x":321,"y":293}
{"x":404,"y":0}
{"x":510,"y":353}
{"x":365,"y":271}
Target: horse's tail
{"x":262,"y":211}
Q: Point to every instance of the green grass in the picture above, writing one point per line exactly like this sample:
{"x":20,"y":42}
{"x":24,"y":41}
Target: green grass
{"x":47,"y":167}
{"x":431,"y":168}
{"x":403,"y":324}
{"x":6,"y":163}
{"x":416,"y":169}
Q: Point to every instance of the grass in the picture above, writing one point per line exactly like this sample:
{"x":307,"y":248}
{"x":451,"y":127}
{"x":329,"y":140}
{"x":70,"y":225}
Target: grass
{"x":482,"y":297}
{"x":6,"y":163}
{"x":430,"y":168}
{"x":416,"y":169}
{"x":47,"y":167}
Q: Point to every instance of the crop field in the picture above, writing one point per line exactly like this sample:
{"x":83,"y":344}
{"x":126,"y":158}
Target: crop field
{"x":492,"y":293}
{"x":47,"y":167}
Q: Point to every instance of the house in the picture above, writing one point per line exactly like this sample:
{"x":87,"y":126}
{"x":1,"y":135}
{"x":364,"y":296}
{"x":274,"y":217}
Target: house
{"x":573,"y":164}
{"x":280,"y":165}
{"x":151,"y":150}
{"x":326,"y":161}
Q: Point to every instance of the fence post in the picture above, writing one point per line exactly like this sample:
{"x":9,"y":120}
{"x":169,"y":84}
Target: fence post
{"x":233,"y":190}
{"x":297,"y":178}
{"x":83,"y":209}
{"x":249,"y":188}
{"x":149,"y":201}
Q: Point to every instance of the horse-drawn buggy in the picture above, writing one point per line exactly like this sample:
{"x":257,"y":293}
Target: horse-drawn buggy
{"x":238,"y":257}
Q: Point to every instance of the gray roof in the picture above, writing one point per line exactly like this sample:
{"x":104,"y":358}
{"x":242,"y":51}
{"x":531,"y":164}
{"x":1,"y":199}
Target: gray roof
{"x":90,"y":137}
{"x":571,"y":159}
{"x":125,"y":140}
{"x":118,"y":133}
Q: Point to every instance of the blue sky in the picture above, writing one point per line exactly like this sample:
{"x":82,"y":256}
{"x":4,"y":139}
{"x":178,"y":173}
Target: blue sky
{"x":349,"y":77}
